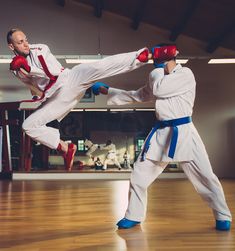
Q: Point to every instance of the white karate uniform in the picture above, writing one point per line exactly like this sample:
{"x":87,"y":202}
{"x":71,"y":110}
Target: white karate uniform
{"x":91,"y":147}
{"x":69,"y":88}
{"x":174,"y":96}
{"x":126,"y":162}
{"x":111,"y":156}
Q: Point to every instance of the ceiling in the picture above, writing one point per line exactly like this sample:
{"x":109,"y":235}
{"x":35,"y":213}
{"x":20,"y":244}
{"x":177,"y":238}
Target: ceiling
{"x":211,"y":21}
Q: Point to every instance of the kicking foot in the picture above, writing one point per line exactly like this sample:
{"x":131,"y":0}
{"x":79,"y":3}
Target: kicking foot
{"x":69,"y":156}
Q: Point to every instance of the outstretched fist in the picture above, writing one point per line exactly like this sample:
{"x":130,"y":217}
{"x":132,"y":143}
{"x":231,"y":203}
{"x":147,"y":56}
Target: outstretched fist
{"x":143,"y":56}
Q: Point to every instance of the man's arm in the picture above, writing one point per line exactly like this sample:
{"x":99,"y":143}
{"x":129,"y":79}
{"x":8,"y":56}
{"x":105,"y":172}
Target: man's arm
{"x":24,"y":77}
{"x":174,"y":84}
{"x":122,"y":97}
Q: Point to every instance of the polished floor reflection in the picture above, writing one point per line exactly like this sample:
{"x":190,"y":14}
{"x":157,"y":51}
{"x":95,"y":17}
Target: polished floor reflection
{"x":81,"y":215}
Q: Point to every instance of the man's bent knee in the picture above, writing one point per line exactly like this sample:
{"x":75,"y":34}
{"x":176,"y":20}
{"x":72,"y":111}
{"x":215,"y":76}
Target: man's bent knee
{"x":27,"y":127}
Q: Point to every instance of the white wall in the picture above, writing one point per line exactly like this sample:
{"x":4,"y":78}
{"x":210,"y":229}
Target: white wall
{"x":74,"y":30}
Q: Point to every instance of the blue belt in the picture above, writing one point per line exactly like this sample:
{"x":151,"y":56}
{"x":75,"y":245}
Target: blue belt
{"x":162,"y":124}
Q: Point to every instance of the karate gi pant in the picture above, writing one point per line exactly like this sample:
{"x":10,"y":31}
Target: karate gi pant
{"x":198,"y":171}
{"x":111,"y":158}
{"x":72,"y":85}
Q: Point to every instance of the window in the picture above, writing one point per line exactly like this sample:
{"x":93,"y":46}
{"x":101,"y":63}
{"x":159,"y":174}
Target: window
{"x":81,"y":146}
{"x":139,"y":144}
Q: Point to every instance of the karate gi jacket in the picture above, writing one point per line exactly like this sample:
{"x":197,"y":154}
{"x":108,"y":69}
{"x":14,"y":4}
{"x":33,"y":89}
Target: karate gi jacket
{"x":174,"y":96}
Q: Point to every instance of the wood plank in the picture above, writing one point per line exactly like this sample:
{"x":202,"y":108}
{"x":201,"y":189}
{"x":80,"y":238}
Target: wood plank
{"x":81,"y":215}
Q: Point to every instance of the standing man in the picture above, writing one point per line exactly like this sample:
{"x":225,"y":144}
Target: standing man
{"x":111,"y":156}
{"x":126,"y":158}
{"x":60,"y":89}
{"x":172,"y":139}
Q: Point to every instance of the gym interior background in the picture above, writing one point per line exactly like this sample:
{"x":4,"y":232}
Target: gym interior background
{"x":72,"y":28}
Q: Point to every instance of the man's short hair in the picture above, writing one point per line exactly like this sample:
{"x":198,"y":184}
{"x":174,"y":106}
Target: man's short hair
{"x":10,"y":33}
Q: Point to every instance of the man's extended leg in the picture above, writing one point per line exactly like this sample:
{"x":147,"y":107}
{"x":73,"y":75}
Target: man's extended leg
{"x":207,"y":184}
{"x":84,"y":75}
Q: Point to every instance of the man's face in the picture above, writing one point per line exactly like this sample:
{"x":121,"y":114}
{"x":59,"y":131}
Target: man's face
{"x":19,"y":44}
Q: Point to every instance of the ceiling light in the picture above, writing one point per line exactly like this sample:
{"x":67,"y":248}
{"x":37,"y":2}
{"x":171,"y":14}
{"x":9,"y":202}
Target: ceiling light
{"x":80,"y":60}
{"x":145,"y":109}
{"x":121,"y":110}
{"x":178,"y":61}
{"x":77,"y":110}
{"x":96,"y":110}
{"x":181,"y":61}
{"x":222,"y":61}
{"x":5,"y":60}
{"x":89,"y":59}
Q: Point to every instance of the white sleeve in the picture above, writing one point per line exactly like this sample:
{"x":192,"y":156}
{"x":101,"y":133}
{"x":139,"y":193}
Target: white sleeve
{"x":23,"y":78}
{"x":37,"y":72}
{"x":174,"y":84}
{"x":26,"y":80}
{"x":123,"y":97}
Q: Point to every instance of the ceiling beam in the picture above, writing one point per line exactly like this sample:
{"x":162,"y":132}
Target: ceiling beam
{"x":217,"y":41}
{"x":139,"y":13}
{"x":98,"y":7}
{"x":61,"y":2}
{"x":177,"y":30}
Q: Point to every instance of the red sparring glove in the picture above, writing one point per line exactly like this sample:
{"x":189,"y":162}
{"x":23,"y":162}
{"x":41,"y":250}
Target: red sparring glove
{"x":164,"y":53}
{"x":144,"y":56}
{"x":19,"y":62}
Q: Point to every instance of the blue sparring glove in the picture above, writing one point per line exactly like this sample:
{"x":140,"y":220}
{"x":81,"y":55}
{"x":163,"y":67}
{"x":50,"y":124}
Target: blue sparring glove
{"x":99,"y":87}
{"x":155,"y":63}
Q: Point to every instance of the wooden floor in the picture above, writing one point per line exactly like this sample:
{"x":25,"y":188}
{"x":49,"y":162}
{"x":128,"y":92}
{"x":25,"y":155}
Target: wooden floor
{"x":81,"y":215}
